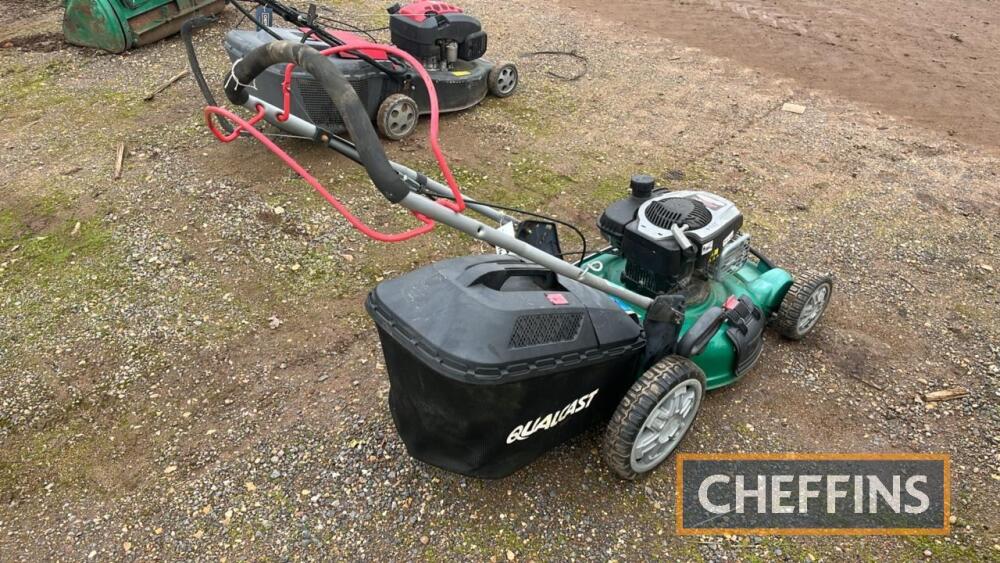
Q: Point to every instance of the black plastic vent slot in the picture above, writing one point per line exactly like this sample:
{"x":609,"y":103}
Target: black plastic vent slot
{"x":641,"y":277}
{"x":535,"y":330}
{"x":318,"y":106}
{"x":665,"y":213}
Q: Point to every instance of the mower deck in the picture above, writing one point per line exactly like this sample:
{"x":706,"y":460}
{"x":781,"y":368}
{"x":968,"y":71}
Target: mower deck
{"x":765,"y":286}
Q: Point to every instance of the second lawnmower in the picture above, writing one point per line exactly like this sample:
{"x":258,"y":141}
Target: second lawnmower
{"x":449,"y":43}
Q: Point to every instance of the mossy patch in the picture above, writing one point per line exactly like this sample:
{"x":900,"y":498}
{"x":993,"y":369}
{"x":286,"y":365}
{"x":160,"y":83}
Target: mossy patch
{"x":944,"y":550}
{"x":25,"y":83}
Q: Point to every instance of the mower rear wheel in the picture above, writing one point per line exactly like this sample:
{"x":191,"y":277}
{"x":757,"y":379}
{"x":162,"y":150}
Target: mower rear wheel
{"x":654,"y":417}
{"x":804,"y":304}
{"x":397,"y":117}
{"x":502,"y":80}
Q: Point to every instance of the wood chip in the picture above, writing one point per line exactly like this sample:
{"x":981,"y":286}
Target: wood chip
{"x":793,"y":108}
{"x":119,"y":160}
{"x":946,"y":394}
{"x":166,"y":84}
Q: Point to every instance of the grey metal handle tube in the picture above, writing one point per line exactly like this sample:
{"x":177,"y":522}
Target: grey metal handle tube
{"x":300,"y":127}
{"x":481,"y":231}
{"x":464,"y":223}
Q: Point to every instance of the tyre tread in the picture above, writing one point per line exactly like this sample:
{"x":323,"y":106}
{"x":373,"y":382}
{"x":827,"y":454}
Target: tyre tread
{"x":633,"y":409}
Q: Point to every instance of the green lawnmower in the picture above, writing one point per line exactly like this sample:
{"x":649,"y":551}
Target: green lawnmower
{"x":119,"y":25}
{"x":494,"y":359}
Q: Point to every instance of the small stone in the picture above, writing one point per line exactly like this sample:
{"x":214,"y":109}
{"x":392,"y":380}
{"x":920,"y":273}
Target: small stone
{"x":76,"y":230}
{"x":296,"y":267}
{"x":279,"y":210}
{"x":170,"y":469}
{"x":952,"y":519}
{"x":250,"y":486}
{"x":927,"y":553}
{"x":127,"y":546}
{"x":793,"y":108}
{"x":986,"y":267}
{"x":274,"y":322}
{"x":510,"y":555}
{"x":424,"y":540}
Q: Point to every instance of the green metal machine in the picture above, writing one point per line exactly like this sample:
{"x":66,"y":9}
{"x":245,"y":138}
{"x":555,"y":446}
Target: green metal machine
{"x":118,"y":25}
{"x":765,"y":285}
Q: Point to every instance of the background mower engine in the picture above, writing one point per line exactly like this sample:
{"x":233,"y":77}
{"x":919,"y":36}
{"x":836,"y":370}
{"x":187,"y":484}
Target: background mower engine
{"x":448,"y":43}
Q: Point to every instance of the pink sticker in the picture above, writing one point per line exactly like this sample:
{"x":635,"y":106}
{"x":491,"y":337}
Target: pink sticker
{"x":556,"y":298}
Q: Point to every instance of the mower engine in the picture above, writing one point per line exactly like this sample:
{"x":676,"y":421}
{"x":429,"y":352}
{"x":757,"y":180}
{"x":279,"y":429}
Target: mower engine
{"x":437,"y":33}
{"x":671,"y":241}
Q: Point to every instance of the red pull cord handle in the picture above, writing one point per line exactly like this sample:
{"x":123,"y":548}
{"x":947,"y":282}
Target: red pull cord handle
{"x":243,"y":125}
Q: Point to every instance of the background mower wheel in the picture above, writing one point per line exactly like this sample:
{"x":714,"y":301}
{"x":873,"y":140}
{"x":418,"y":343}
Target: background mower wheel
{"x":804,"y":304}
{"x":654,"y":416}
{"x":502,"y":80}
{"x":397,"y":117}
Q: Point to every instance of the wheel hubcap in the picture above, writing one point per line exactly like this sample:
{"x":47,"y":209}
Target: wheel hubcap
{"x":813,"y":308}
{"x":666,"y":424}
{"x":506,"y":80}
{"x":401,"y":118}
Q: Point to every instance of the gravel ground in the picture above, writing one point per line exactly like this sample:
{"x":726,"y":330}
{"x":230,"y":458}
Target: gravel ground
{"x":186,"y":370}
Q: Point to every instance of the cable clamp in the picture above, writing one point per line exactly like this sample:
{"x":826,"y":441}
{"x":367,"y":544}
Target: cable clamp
{"x":232,"y":76}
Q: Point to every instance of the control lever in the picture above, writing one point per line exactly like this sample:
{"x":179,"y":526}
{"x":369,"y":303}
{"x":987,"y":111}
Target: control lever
{"x":680,"y":237}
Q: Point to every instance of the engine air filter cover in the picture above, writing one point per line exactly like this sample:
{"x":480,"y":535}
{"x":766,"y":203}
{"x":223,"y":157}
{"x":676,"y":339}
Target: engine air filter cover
{"x":665,"y":213}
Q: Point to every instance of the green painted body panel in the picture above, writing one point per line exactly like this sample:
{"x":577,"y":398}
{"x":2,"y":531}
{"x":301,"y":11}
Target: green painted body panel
{"x":765,"y":286}
{"x":118,"y":25}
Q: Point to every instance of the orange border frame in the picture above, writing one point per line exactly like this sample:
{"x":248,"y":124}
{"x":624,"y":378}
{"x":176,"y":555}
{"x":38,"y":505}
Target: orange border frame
{"x":679,"y":494}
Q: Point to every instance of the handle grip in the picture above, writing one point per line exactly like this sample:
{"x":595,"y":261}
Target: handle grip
{"x":344,"y":98}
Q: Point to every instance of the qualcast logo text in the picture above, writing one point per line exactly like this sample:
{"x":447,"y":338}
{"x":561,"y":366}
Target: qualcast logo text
{"x":524,"y":431}
{"x":813,"y":494}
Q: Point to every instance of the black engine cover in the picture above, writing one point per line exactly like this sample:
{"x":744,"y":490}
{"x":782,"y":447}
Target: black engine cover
{"x":655,"y":262}
{"x":423,"y":39}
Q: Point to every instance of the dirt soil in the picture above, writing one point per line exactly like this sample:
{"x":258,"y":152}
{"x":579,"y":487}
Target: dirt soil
{"x":187,"y":370}
{"x":933,"y":63}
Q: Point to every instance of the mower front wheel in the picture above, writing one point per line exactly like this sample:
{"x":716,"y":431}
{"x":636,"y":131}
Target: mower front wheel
{"x":397,"y":117}
{"x":654,"y":417}
{"x":502,"y":80}
{"x":804,"y":304}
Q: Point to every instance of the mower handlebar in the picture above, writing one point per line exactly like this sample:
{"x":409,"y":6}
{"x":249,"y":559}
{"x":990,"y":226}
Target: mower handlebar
{"x":344,"y":98}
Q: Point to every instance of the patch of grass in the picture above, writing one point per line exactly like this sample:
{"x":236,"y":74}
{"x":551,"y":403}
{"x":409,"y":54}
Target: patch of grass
{"x":535,"y":183}
{"x":943,"y":550}
{"x":46,"y":275}
{"x":64,"y":455}
{"x":31,"y":83}
{"x":42,"y":254}
{"x":539,"y":110}
{"x":485,"y":537}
